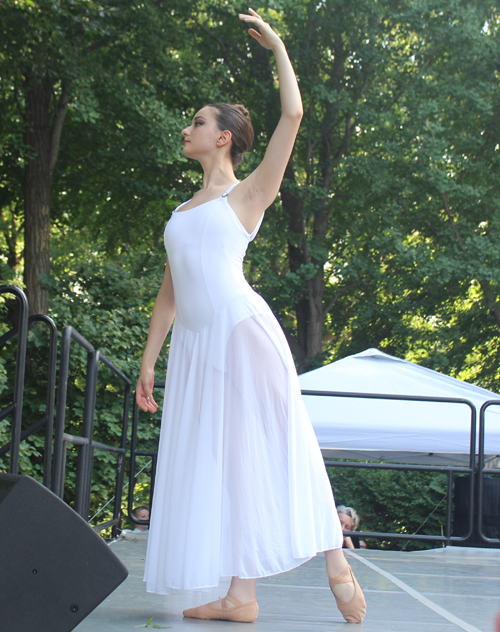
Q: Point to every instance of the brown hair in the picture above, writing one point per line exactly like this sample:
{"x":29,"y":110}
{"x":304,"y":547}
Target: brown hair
{"x":235,"y":119}
{"x":137,"y":509}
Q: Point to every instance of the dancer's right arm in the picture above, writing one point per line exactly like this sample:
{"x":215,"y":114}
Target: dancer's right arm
{"x":161,"y":321}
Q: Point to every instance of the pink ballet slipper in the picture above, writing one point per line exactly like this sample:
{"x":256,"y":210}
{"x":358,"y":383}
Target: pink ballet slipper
{"x":242,"y":613}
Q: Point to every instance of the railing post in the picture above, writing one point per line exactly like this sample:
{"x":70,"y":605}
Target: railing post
{"x":81,"y":491}
{"x":133,"y":450}
{"x":480,"y":468}
{"x":449,"y":501}
{"x":472,"y":467}
{"x":59,"y":444}
{"x":85,"y":452}
{"x":120,"y":474}
{"x":480,"y":471}
{"x":51,"y":392}
{"x":62,"y":476}
{"x":17,"y":411}
{"x":153,"y":478}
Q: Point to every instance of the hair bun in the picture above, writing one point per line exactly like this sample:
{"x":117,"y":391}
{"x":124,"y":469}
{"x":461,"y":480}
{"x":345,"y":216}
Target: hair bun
{"x":243,"y":110}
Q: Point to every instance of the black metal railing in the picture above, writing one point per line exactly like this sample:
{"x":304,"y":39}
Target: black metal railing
{"x":449,"y":471}
{"x":120,"y":450}
{"x":54,"y":477}
{"x":61,"y":438}
{"x":85,"y":443}
{"x":47,"y":419}
{"x":482,"y":471}
{"x":15,"y":408}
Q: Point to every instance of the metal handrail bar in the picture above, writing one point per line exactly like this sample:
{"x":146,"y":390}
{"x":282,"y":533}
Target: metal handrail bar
{"x":48,"y":419}
{"x":26,"y":433}
{"x":105,"y":525}
{"x":411,"y":398}
{"x":75,"y":439}
{"x":481,"y":469}
{"x":399,"y":466}
{"x":449,"y":470}
{"x":17,"y":399}
{"x":134,"y":452}
{"x":107,"y":448}
{"x":402,"y":536}
{"x":5,"y":413}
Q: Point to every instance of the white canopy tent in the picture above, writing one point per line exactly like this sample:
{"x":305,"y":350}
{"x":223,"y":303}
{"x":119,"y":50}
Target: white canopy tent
{"x":399,"y":431}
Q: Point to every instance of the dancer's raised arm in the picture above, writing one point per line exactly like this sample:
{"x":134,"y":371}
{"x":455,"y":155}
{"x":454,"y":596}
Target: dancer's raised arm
{"x":257,"y":192}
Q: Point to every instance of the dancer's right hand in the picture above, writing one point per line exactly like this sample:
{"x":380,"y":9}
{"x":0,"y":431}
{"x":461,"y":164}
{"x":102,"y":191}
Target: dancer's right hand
{"x":144,"y":391}
{"x":265,"y":34}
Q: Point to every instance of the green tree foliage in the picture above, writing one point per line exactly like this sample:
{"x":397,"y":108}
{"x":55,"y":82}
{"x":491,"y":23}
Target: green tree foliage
{"x":394,"y":109}
{"x":109,"y":62}
{"x":109,"y":303}
{"x":386,"y":230}
{"x":390,"y":501}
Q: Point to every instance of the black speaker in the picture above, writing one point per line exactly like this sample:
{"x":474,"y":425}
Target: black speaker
{"x":491,"y":511}
{"x":54,"y":569}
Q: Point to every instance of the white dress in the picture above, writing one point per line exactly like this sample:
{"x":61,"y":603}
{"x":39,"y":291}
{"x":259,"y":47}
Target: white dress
{"x":241,"y":488}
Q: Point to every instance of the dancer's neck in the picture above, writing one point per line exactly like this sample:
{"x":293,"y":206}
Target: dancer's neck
{"x":217,"y":174}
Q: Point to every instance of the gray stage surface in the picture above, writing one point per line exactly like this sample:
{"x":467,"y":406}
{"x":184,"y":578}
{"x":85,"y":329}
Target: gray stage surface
{"x":443,"y":590}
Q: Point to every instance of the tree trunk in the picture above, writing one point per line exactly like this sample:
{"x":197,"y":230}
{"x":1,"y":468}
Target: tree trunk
{"x":37,"y":180}
{"x":316,"y":322}
{"x":43,"y":136}
{"x":293,"y":206}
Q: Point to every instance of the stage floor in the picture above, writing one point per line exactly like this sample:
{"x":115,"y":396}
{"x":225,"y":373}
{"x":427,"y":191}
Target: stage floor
{"x":443,"y":590}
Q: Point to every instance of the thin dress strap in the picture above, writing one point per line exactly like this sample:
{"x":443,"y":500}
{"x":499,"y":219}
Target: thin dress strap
{"x":226,"y":193}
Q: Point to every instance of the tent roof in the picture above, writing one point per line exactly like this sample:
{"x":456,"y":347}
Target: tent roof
{"x":394,"y":430}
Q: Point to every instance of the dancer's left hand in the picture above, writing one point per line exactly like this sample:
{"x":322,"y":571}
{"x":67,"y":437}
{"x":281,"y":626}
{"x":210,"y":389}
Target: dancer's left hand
{"x":144,"y":391}
{"x":265,"y":35}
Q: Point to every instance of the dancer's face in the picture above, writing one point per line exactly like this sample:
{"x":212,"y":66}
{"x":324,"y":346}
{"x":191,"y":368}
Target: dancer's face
{"x":202,"y":135}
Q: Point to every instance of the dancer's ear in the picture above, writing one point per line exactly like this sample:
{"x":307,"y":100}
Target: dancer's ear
{"x":224,"y":138}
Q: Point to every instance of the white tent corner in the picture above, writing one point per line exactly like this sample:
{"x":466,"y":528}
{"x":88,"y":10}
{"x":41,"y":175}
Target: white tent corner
{"x":393,"y":430}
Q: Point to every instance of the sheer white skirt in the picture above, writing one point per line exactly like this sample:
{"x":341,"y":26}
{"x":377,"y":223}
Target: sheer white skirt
{"x":241,"y":488}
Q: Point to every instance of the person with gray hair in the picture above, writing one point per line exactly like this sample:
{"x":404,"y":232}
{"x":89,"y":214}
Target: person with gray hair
{"x":349,"y":521}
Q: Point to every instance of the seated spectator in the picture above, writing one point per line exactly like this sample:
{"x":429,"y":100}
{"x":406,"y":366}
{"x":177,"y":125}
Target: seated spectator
{"x":141,"y":513}
{"x":349,"y":520}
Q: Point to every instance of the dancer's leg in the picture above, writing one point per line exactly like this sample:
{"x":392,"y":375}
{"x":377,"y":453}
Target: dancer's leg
{"x":346,"y":590}
{"x":244,"y":590}
{"x":335,"y":565}
{"x":238,"y":605}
